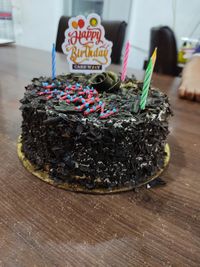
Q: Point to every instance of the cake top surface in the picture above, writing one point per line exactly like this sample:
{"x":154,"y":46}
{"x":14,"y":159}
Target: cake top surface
{"x":100,"y":99}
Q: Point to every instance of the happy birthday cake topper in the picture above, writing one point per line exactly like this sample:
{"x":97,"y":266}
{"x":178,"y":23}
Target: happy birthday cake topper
{"x":85,"y":45}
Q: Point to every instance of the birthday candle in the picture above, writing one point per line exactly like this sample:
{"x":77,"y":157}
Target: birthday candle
{"x":147,"y":79}
{"x":125,"y":61}
{"x":53,"y":62}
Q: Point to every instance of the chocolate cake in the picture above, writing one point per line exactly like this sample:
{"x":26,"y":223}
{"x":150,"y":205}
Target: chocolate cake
{"x":89,"y":131}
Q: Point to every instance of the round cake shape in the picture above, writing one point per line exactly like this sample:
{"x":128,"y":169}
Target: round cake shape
{"x":84,"y":148}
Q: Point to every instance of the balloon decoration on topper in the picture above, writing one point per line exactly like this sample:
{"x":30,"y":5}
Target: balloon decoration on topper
{"x":85,"y":45}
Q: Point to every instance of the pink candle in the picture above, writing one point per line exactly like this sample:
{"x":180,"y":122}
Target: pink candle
{"x":125,"y":61}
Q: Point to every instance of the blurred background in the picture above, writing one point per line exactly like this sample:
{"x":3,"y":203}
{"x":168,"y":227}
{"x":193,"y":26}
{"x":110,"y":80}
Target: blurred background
{"x":35,"y":23}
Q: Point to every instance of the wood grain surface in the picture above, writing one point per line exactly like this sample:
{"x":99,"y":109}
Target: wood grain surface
{"x":44,"y":226}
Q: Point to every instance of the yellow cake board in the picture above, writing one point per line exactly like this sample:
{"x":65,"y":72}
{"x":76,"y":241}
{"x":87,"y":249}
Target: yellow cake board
{"x":44,"y":176}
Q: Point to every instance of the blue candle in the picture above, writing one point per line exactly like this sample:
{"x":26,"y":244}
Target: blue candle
{"x":53,"y":62}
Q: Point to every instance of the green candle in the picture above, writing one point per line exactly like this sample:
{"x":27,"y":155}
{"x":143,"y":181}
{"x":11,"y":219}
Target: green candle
{"x":147,"y":79}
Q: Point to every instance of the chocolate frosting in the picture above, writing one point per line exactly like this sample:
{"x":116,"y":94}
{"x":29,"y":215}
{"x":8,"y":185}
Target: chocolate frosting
{"x":123,"y":149}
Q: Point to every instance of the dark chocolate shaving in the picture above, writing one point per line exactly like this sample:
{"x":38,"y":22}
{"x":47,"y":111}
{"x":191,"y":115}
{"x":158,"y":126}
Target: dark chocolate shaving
{"x":156,"y":183}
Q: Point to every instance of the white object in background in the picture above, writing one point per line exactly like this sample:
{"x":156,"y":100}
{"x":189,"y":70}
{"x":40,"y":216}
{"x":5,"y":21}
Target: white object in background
{"x":6,"y":22}
{"x":17,"y":19}
{"x":5,"y":41}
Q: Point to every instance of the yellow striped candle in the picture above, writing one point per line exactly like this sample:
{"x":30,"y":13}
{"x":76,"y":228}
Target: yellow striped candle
{"x":147,"y":79}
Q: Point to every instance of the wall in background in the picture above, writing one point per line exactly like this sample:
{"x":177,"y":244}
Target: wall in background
{"x":36,"y":22}
{"x":112,"y":9}
{"x":181,"y":15}
{"x":117,"y":10}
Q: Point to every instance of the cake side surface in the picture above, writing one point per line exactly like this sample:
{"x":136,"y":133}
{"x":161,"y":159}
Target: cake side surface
{"x":120,"y":150}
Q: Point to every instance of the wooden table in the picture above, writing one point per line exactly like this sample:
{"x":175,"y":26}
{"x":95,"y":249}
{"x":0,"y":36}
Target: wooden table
{"x":43,"y":226}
